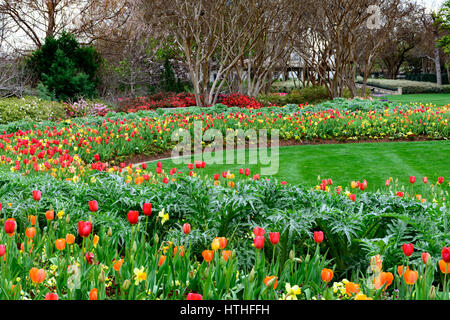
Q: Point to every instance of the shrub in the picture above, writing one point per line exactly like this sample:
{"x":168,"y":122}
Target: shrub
{"x":159,"y":100}
{"x":30,"y":109}
{"x":65,"y":68}
{"x":239,"y":100}
{"x":86,"y":108}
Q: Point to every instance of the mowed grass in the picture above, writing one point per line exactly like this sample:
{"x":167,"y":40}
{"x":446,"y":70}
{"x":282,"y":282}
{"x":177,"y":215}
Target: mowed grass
{"x":438,"y":99}
{"x":343,"y":163}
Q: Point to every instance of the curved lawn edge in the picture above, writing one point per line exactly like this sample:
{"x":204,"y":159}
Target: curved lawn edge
{"x":137,"y":160}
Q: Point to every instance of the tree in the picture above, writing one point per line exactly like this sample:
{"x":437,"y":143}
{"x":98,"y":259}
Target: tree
{"x":87,"y":19}
{"x":65,"y":68}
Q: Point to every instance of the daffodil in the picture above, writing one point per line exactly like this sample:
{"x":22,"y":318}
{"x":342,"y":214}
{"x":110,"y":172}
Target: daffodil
{"x":164,"y":216}
{"x":139,"y":275}
{"x":292,"y":292}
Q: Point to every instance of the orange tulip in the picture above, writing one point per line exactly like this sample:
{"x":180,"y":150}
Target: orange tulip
{"x":268,"y":278}
{"x":400,"y":270}
{"x":376,"y":264}
{"x":60,"y":244}
{"x":161,"y":260}
{"x":411,"y":276}
{"x":351,"y":288}
{"x":326,"y":274}
{"x":93,"y":294}
{"x":95,"y":241}
{"x":37,"y":275}
{"x":30,"y":246}
{"x":222,"y":242}
{"x":178,"y":249}
{"x":70,"y":238}
{"x":208,"y":255}
{"x":118,"y":265}
{"x":445,"y":267}
{"x":226,"y":254}
{"x":383,"y":277}
{"x":32,"y":220}
{"x":50,"y":215}
{"x":215,"y":245}
{"x":30,"y":232}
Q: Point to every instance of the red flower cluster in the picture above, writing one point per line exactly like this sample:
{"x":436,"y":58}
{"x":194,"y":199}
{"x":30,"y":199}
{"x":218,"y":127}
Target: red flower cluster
{"x":160,"y":100}
{"x":240,"y":100}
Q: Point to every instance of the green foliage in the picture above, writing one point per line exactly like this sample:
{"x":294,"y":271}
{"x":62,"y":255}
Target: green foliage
{"x":169,"y":81}
{"x":28,"y":110}
{"x":65,"y":69}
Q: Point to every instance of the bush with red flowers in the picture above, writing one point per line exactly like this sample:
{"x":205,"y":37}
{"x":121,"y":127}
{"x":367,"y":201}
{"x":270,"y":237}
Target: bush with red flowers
{"x":159,"y":100}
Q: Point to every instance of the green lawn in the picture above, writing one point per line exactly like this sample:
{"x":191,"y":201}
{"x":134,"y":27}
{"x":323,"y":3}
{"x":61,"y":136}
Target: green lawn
{"x":374,"y":162}
{"x":438,"y":99}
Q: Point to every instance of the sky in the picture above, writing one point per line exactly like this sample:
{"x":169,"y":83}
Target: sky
{"x":432,"y":4}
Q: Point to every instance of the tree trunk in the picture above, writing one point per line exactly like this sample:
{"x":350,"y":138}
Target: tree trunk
{"x":437,"y":62}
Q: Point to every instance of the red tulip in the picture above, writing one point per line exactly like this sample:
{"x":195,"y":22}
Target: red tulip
{"x":93,"y":205}
{"x":10,"y":226}
{"x":241,"y":170}
{"x":51,"y":296}
{"x":90,"y":257}
{"x":224,"y":174}
{"x":36,"y":195}
{"x":363,"y":185}
{"x":203,"y":164}
{"x":259,"y":242}
{"x":165,"y":180}
{"x":84,"y":228}
{"x":147,"y":209}
{"x":412,"y":179}
{"x":190,"y":166}
{"x":318,"y":236}
{"x":133,"y":217}
{"x":446,"y":254}
{"x":247,"y":172}
{"x":400,"y":194}
{"x":198,"y":164}
{"x":216,"y":176}
{"x":387,"y":183}
{"x":283,"y":183}
{"x":186,"y":228}
{"x":144,"y":166}
{"x":274,"y":237}
{"x":330,"y":182}
{"x":159,"y":164}
{"x":425,"y":257}
{"x":96,"y":157}
{"x":408,"y":249}
{"x":440,"y":180}
{"x":158,"y":169}
{"x":194,"y":296}
{"x":425,"y":180}
{"x":2,"y":250}
{"x":259,"y":231}
{"x":352,"y":197}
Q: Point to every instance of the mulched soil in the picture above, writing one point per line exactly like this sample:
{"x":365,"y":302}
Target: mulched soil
{"x":139,"y":158}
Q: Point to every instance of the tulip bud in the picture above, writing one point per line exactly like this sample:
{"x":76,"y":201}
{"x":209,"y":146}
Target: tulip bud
{"x":156,"y":238}
{"x":55,"y":226}
{"x":101,"y":277}
{"x":134,"y":247}
{"x":291,"y":255}
{"x":67,"y":219}
{"x":109,"y":232}
{"x":307,"y":258}
{"x":251,"y":277}
{"x":432,"y":293}
{"x":126,"y":284}
{"x":90,"y":219}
